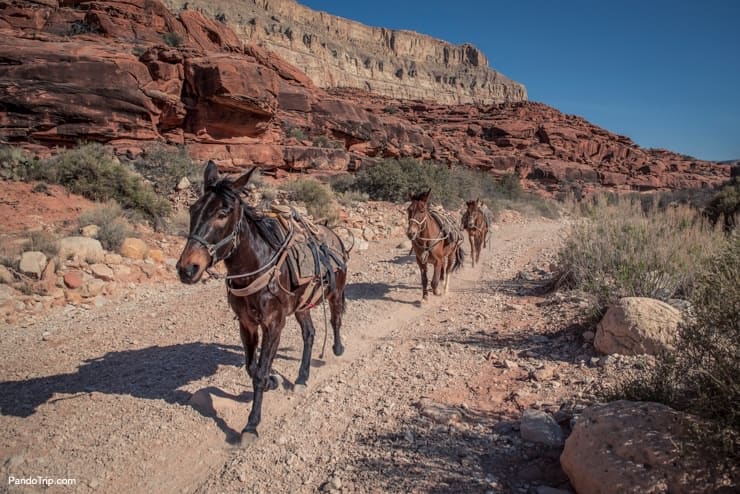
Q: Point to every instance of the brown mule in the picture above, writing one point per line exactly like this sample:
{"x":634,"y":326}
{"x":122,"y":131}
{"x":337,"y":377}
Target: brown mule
{"x":435,"y":239}
{"x":474,"y":222}
{"x":262,"y":294}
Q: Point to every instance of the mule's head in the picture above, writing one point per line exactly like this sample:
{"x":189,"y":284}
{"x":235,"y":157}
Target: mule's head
{"x":214,"y":224}
{"x":470,"y":213}
{"x":417,"y":212}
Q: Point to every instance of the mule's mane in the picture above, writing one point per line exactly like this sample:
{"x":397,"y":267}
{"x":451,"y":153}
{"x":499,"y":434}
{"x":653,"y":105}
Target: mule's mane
{"x":268,"y":228}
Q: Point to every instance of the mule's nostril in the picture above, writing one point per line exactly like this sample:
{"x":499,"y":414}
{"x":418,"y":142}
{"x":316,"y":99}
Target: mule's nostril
{"x":192,"y":270}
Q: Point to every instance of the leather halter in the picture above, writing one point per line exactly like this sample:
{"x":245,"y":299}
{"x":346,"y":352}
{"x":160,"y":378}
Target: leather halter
{"x":232,"y":238}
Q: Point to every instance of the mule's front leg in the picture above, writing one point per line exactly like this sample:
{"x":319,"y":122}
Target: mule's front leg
{"x":261,"y":381}
{"x":472,"y":248}
{"x":437,"y":274}
{"x":250,"y":339}
{"x":424,"y":279}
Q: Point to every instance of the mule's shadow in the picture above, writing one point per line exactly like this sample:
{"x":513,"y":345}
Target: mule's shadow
{"x":153,"y":373}
{"x":378,"y":291}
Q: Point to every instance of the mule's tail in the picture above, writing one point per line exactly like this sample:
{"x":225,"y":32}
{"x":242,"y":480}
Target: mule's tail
{"x":459,"y":258}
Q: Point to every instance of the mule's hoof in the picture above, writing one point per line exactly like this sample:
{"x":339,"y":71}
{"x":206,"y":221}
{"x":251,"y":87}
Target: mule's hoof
{"x":248,"y":438}
{"x":437,"y":292}
{"x":338,"y":350}
{"x":274,"y":382}
{"x":300,"y":389}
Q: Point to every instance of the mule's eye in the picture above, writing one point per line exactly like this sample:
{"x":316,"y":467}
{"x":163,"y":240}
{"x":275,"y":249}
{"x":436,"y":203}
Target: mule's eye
{"x":223,"y":213}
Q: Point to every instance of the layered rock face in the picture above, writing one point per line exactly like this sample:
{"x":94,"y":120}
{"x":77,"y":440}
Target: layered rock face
{"x":130,"y":73}
{"x":340,"y":53}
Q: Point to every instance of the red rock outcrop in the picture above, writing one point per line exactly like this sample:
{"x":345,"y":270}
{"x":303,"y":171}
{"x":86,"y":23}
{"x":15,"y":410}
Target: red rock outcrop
{"x":129,"y":73}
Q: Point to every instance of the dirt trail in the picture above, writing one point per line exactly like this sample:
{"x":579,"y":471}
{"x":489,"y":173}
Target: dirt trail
{"x":104,"y":395}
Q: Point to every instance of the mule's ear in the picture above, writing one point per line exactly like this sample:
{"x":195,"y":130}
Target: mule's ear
{"x":242,"y":181}
{"x":210,"y":175}
{"x":411,"y":196}
{"x":425,"y":196}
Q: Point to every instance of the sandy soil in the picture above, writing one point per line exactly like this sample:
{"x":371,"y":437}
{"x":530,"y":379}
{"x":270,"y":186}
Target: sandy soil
{"x":426,"y":398}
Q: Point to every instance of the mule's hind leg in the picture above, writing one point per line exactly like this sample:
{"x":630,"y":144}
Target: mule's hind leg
{"x":438,"y":267}
{"x":307,"y":329}
{"x":336,"y":306}
{"x":271,"y":329}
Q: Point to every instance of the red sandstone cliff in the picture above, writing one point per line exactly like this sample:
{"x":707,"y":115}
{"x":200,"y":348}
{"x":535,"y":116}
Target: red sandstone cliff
{"x":128,"y":73}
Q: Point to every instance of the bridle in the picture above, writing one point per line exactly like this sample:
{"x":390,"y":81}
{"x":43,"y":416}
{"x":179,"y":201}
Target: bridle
{"x":420,"y":223}
{"x":232,"y":238}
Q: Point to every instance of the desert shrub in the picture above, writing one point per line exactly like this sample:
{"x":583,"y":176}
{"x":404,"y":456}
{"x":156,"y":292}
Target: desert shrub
{"x":165,"y":165}
{"x":178,"y":223}
{"x":317,"y":197}
{"x":350,"y":197}
{"x":14,"y":163}
{"x":321,"y":142}
{"x":297,"y":133}
{"x":43,"y":241}
{"x":391,"y":180}
{"x":390,"y":109}
{"x":81,"y":27}
{"x":700,"y":376}
{"x":617,"y":250}
{"x":172,"y":39}
{"x":113,"y":225}
{"x":725,"y":205}
{"x":93,"y":172}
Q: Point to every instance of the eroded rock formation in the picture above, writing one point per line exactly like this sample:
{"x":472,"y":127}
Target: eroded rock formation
{"x":340,"y":53}
{"x":129,"y":73}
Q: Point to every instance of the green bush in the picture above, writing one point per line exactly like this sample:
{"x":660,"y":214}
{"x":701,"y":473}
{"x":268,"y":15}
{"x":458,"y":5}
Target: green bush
{"x":321,"y":142}
{"x":317,"y":198}
{"x":725,"y":205}
{"x":93,"y":172}
{"x":391,"y":180}
{"x":619,"y":251}
{"x":297,"y":133}
{"x":165,"y":165}
{"x":700,"y":376}
{"x":172,"y":39}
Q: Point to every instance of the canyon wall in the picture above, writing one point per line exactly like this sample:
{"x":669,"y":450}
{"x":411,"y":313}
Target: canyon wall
{"x":339,"y":53}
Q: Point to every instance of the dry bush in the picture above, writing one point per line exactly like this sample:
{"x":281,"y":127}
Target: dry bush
{"x":178,"y":223}
{"x":700,"y":376}
{"x":113,"y":224}
{"x":317,"y":197}
{"x":618,"y":250}
{"x":42,"y":241}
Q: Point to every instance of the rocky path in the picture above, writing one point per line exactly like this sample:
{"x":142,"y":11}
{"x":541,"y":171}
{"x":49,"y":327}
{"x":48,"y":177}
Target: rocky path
{"x":148,"y":395}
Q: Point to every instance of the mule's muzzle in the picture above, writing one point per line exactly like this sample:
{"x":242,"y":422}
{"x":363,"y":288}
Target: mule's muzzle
{"x":189,"y":273}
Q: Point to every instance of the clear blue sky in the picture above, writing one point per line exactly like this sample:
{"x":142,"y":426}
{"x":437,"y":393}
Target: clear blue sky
{"x":665,"y":73}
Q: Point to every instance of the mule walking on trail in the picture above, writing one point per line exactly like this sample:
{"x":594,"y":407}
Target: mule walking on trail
{"x":475,"y":223}
{"x":266,"y":257}
{"x":435,"y":239}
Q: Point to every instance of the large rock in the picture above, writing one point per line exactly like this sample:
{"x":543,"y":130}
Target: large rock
{"x":73,"y":279}
{"x":33,"y":263}
{"x":84,"y":248}
{"x":634,"y":448}
{"x":5,"y":275}
{"x":134,"y":248}
{"x":539,"y":427}
{"x":102,"y":272}
{"x":637,"y":325}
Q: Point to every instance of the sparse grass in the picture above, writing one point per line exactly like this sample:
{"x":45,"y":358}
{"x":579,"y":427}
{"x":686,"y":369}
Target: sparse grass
{"x":93,"y":172}
{"x":700,"y":377}
{"x":617,"y":251}
{"x":317,"y":198}
{"x":165,"y":165}
{"x":351,"y":197}
{"x":42,"y":241}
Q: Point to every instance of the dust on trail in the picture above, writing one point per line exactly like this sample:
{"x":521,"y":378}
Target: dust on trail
{"x":104,"y":395}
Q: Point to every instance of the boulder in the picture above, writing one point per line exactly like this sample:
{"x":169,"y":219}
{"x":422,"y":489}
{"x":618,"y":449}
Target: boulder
{"x":637,"y":325}
{"x":183,"y":184}
{"x":539,"y":427}
{"x":630,"y":447}
{"x":134,"y":248}
{"x":73,"y":279}
{"x":85,"y":248}
{"x":33,"y":263}
{"x":92,"y":288}
{"x":102,"y":272}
